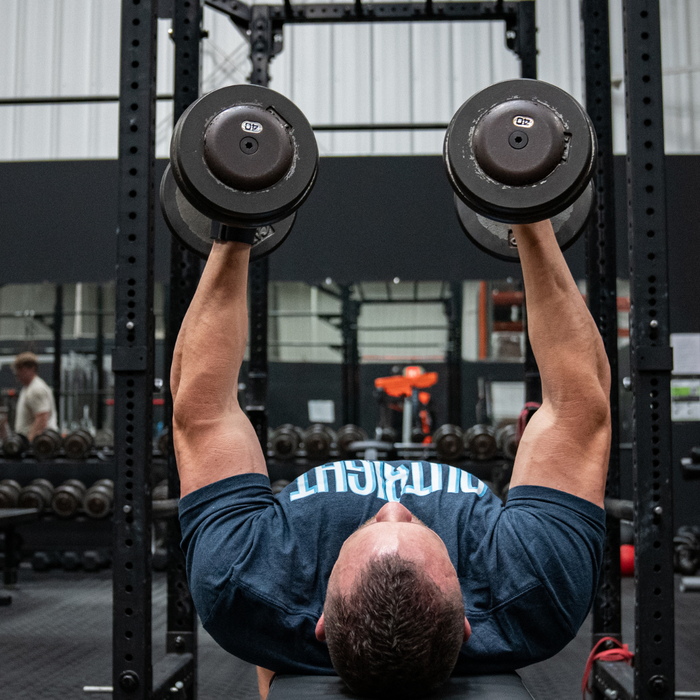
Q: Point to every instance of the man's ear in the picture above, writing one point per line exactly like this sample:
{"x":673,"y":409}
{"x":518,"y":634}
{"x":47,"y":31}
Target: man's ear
{"x":321,"y":629}
{"x":467,"y":630}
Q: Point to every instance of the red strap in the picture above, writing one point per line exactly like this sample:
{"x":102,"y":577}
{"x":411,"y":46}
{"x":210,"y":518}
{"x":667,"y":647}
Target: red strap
{"x":522,"y":418}
{"x":620,"y":652}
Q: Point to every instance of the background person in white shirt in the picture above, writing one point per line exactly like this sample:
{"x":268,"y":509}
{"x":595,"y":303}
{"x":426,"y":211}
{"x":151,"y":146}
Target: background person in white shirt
{"x":36,"y":408}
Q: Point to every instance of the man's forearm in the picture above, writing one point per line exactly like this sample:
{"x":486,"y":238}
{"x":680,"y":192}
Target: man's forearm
{"x":564,"y":337}
{"x":212,"y":340}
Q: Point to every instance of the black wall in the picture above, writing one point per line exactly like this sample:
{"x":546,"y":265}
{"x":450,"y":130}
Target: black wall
{"x":368,"y":218}
{"x":371,"y":218}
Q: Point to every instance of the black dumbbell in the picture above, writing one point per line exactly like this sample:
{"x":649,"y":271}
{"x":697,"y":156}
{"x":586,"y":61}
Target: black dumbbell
{"x":105,"y":482}
{"x":47,"y":443}
{"x":417,"y":435}
{"x":160,"y":491}
{"x":163,"y":442}
{"x":71,"y":561}
{"x":94,"y":559}
{"x":104,"y":437}
{"x":285,"y":441}
{"x":98,"y":499}
{"x":517,"y":152}
{"x":686,"y":550}
{"x":385,"y":434}
{"x":279,"y":485}
{"x":346,"y":435}
{"x":15,"y":445}
{"x":68,"y":497}
{"x":9,"y":493}
{"x":507,"y":440}
{"x":318,"y":439}
{"x":77,"y":445}
{"x":480,"y":442}
{"x":45,"y":561}
{"x":243,"y":157}
{"x":159,"y":559}
{"x":37,"y":494}
{"x":449,"y":442}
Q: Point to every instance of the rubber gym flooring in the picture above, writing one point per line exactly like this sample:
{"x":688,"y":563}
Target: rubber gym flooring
{"x":55,"y":638}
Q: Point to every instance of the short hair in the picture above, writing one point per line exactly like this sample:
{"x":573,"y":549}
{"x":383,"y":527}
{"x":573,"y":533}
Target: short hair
{"x":396,"y":634}
{"x":26,"y":359}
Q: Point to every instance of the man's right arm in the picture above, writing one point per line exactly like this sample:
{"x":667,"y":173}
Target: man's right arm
{"x":41,"y":420}
{"x":213,"y":438}
{"x":567,"y":442}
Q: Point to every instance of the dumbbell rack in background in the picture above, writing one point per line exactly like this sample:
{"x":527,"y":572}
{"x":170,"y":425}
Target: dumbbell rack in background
{"x":486,"y":453}
{"x":52,"y":534}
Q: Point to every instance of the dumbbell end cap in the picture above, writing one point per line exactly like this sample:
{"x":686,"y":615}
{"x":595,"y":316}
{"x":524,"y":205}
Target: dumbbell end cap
{"x":519,"y":142}
{"x":248,"y":148}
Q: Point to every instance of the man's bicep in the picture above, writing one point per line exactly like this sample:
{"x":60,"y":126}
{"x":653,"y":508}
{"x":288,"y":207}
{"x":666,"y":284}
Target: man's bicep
{"x":209,"y":451}
{"x":565,"y":453}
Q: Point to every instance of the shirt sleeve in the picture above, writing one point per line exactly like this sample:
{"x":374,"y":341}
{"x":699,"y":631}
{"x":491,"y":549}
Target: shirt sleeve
{"x":219,"y":533}
{"x":39,"y":400}
{"x":559,"y":538}
{"x":253,"y":585}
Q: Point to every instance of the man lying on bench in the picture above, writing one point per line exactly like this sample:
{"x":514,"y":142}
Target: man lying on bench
{"x":369,"y":568}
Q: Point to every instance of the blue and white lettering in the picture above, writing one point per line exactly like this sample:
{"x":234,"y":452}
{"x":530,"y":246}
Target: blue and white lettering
{"x":435,"y":477}
{"x":354,"y":480}
{"x":381,"y":493}
{"x":339,"y":473}
{"x":416,"y":486}
{"x":395,"y":476}
{"x":470,"y":484}
{"x":303,"y":488}
{"x":453,"y":479}
{"x":386,"y":481}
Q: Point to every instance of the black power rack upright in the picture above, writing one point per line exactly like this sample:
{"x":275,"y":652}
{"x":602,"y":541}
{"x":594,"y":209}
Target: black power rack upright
{"x":653,"y":676}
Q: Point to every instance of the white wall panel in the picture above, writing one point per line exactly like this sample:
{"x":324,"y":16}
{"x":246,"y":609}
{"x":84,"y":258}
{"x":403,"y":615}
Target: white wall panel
{"x":353,"y":102}
{"x":336,"y":73}
{"x":58,"y":47}
{"x":681,"y":60}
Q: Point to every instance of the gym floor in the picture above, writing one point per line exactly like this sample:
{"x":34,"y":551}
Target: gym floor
{"x":56,"y":635}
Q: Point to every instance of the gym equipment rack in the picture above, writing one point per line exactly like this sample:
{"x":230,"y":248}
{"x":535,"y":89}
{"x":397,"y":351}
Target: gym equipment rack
{"x":651,"y":356}
{"x":134,"y":676}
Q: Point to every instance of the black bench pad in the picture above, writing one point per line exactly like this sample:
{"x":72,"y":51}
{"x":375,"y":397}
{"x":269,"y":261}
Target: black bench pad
{"x":503,"y":686}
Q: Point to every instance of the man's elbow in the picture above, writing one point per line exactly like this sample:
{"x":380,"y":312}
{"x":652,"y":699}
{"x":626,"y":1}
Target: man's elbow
{"x":193,"y":413}
{"x":601,"y":412}
{"x":182,"y":414}
{"x":604,"y":375}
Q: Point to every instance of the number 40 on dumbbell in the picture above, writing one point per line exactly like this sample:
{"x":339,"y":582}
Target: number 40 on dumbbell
{"x":517,"y":152}
{"x":242,"y":158}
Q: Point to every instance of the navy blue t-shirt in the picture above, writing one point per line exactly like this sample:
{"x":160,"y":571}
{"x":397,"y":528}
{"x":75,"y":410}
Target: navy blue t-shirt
{"x":258,"y":565}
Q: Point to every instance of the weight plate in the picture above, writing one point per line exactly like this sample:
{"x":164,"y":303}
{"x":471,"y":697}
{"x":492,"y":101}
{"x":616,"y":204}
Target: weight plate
{"x":496,"y":238}
{"x":193,"y":229}
{"x":520,"y":151}
{"x":244,"y":155}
